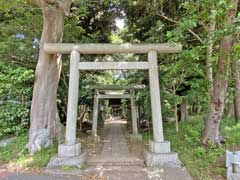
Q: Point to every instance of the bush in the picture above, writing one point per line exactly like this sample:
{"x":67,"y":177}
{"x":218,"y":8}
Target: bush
{"x":15,"y":94}
{"x":14,"y":119}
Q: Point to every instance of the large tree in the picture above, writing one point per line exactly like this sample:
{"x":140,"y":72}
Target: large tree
{"x":44,"y":113}
{"x":220,"y":83}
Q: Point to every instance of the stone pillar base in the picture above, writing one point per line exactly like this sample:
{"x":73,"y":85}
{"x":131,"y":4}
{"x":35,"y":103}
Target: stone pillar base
{"x":159,"y":154}
{"x":160,"y":147}
{"x":233,"y":176}
{"x":76,"y":161}
{"x":65,"y":150}
{"x":136,"y":137}
{"x":68,"y":155}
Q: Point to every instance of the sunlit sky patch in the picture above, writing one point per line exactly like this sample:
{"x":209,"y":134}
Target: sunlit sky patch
{"x":120,"y":23}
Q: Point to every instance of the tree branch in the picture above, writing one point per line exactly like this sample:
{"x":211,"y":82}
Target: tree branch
{"x":189,"y":30}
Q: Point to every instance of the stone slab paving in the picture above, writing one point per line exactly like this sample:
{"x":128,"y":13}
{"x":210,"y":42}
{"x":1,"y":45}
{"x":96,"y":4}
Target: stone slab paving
{"x":115,"y":150}
{"x":121,"y":159}
{"x":28,"y":176}
{"x":104,"y":173}
{"x":115,"y":144}
{"x":126,"y":173}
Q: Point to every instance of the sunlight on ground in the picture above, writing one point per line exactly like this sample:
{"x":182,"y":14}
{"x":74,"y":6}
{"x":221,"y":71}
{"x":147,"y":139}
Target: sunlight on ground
{"x":24,"y":161}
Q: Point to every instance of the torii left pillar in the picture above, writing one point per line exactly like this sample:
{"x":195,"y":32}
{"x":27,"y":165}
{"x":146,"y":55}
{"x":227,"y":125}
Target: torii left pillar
{"x":69,"y":153}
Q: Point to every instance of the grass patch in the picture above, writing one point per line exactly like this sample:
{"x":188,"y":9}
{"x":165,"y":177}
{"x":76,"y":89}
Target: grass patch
{"x":70,"y":168}
{"x":202,"y":164}
{"x":17,"y":154}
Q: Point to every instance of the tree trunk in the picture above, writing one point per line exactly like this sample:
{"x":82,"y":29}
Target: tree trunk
{"x":82,"y":112}
{"x":230,"y":109}
{"x":216,"y":105}
{"x":236,"y":75}
{"x":44,"y":115}
{"x":184,"y":111}
{"x":176,"y":117}
{"x":209,"y":55}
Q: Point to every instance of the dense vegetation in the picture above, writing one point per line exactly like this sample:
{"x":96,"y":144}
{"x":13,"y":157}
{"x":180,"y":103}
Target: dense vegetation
{"x":199,"y":86}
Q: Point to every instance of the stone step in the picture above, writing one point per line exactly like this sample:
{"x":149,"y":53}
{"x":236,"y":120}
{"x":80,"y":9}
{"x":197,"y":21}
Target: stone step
{"x":114,"y":161}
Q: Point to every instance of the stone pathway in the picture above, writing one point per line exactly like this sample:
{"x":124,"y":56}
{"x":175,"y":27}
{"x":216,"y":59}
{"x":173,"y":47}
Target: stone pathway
{"x":115,"y":143}
{"x":115,"y":151}
{"x":120,"y":159}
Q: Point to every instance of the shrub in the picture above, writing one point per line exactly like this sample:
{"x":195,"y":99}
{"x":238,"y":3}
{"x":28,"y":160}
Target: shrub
{"x":15,"y":95}
{"x":14,"y":119}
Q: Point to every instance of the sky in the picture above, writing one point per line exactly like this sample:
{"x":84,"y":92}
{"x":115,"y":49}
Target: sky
{"x":120,"y":23}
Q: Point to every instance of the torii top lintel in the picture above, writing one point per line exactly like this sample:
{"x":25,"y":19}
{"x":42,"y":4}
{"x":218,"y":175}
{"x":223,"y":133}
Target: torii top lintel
{"x":97,"y":48}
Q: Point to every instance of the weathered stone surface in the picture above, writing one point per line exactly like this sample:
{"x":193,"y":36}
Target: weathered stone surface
{"x":134,"y":114}
{"x":72,"y":99}
{"x":65,"y":48}
{"x":115,"y":161}
{"x":118,"y":87}
{"x":161,"y":159}
{"x":95,"y":115}
{"x":114,"y":96}
{"x":160,"y":147}
{"x":78,"y":161}
{"x":115,"y":151}
{"x":233,"y":165}
{"x":113,"y":65}
{"x":65,"y":150}
{"x":124,"y":173}
{"x":232,"y":157}
{"x":155,"y":97}
{"x":233,"y":176}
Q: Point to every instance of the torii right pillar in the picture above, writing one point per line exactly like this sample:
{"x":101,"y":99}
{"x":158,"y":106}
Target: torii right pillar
{"x":159,"y":152}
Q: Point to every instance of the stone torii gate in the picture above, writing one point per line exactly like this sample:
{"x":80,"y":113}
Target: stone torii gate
{"x":130,"y":95}
{"x":69,"y":153}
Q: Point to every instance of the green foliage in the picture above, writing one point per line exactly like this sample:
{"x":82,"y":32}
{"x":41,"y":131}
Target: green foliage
{"x":14,"y":119}
{"x":15,"y":95}
{"x":20,"y":28}
{"x":18,"y":155}
{"x":16,"y":82}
